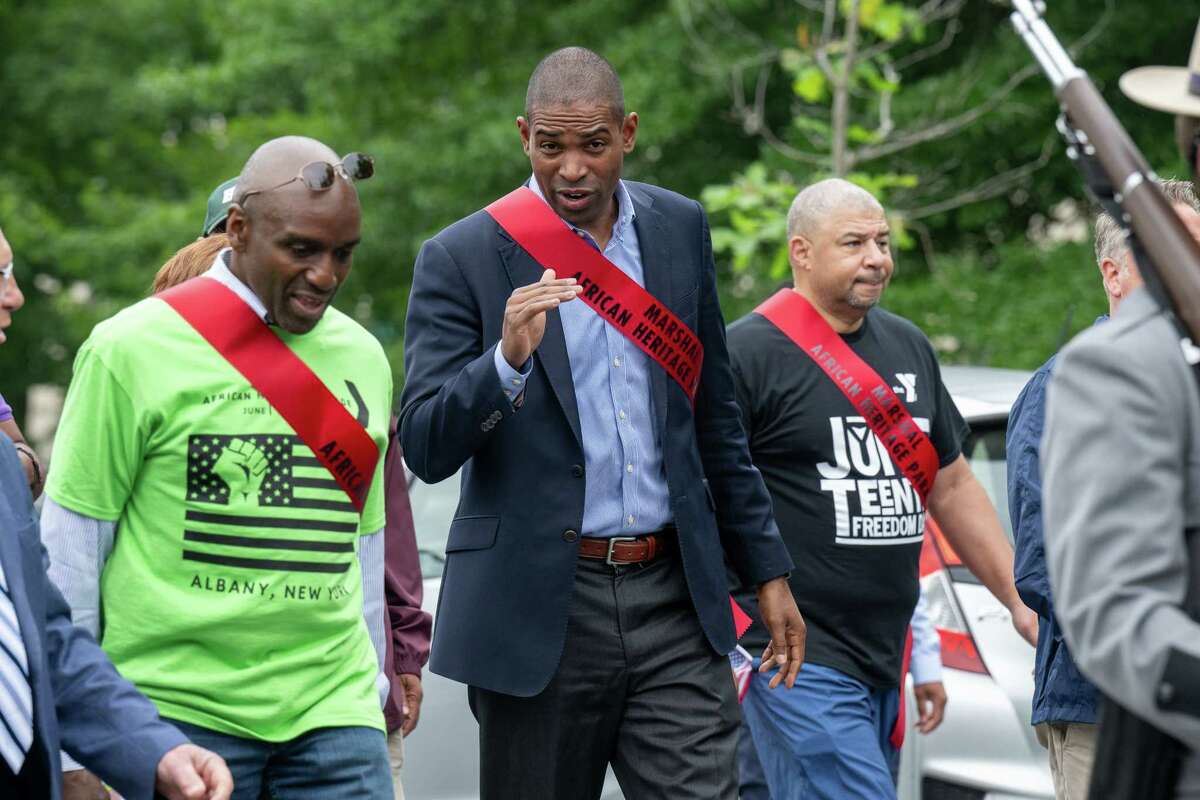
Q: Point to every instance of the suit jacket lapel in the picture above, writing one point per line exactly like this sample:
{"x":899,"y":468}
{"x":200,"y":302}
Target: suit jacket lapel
{"x":656,"y":273}
{"x":552,"y":352}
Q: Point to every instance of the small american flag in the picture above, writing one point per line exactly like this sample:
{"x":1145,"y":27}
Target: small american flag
{"x":743,"y":668}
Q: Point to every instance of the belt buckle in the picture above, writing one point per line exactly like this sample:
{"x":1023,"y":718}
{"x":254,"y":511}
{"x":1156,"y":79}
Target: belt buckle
{"x":608,"y":557}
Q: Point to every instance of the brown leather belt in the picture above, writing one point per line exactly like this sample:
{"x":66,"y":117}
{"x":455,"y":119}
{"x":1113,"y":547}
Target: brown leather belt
{"x":630,"y":549}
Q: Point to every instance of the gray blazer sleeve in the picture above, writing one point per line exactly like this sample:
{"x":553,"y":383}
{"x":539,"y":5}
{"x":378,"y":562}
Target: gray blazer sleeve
{"x":1119,"y":490}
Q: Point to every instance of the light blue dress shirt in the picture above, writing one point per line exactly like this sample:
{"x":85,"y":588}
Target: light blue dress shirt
{"x":625,"y":491}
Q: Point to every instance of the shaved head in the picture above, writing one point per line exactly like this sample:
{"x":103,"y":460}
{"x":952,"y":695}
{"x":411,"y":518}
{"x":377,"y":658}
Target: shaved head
{"x":840,"y":252}
{"x":292,"y":244}
{"x":280,"y":160}
{"x":816,"y":203}
{"x":574,"y":76}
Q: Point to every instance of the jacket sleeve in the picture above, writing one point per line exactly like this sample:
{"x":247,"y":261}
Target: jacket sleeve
{"x":410,"y":626}
{"x":452,"y":399}
{"x":1119,"y":428}
{"x":1022,"y":444}
{"x":103,"y":721}
{"x":745,"y":518}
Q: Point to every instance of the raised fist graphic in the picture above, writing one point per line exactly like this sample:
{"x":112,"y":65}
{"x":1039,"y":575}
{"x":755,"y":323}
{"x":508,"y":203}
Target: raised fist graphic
{"x":243,"y":467}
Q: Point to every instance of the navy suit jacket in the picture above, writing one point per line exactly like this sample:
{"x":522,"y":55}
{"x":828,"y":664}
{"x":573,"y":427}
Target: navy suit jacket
{"x":80,"y":701}
{"x":512,"y":547}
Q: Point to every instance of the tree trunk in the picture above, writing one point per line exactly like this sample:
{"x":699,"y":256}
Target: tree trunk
{"x":841,"y":95}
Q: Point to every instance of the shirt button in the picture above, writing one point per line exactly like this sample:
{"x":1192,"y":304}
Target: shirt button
{"x":577,"y":470}
{"x":617,"y":361}
{"x":629,"y":520}
{"x":570,"y":535}
{"x":515,"y":381}
{"x":629,"y":467}
{"x":621,"y":414}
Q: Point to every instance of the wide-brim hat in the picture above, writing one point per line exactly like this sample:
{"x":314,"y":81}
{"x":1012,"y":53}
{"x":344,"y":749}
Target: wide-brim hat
{"x":1175,"y":90}
{"x":218,"y":205}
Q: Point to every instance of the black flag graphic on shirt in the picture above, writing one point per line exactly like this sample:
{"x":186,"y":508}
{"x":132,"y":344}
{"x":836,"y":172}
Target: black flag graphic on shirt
{"x":257,"y":479}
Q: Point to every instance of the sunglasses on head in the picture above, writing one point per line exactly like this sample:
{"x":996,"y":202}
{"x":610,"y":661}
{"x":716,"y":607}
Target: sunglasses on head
{"x":319,"y":176}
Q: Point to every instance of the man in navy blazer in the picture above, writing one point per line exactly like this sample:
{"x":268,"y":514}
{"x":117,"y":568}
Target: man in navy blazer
{"x":584,"y":599}
{"x":57,"y":687}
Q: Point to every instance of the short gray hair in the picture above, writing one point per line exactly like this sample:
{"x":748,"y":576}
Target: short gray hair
{"x":1110,"y":236}
{"x":816,"y":202}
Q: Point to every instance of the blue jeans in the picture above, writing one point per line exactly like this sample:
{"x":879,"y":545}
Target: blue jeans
{"x":324,"y":764}
{"x":824,"y":739}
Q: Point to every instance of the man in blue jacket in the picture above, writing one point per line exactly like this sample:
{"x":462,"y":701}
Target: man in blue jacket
{"x":584,"y":600}
{"x":1064,"y":701}
{"x":57,"y":688}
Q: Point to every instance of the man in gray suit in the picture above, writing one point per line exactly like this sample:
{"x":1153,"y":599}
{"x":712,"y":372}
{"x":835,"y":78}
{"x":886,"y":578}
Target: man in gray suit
{"x":1121,"y":491}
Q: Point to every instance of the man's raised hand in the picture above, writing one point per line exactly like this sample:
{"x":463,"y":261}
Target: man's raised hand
{"x":525,"y":315}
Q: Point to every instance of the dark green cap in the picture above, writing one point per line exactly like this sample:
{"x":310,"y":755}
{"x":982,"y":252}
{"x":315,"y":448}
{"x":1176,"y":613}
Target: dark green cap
{"x":218,"y":205}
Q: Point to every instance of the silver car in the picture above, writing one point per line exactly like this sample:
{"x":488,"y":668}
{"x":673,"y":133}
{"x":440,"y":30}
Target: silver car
{"x":984,"y":750}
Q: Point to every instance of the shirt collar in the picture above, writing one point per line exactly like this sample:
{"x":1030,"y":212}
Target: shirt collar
{"x":220,"y":272}
{"x":625,"y":212}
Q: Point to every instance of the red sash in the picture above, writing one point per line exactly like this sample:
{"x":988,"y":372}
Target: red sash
{"x":612,"y":294}
{"x":233,"y":329}
{"x":870,"y":394}
{"x":885,"y":415}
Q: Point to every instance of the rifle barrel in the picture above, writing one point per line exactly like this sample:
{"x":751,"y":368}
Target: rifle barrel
{"x":1173,"y":254}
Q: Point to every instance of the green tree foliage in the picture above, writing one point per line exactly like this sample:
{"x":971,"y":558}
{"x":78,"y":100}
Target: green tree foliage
{"x":948,"y":121}
{"x":119,"y":116}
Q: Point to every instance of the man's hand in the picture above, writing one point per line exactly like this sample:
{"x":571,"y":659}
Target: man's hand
{"x":79,"y":784}
{"x":931,"y":704}
{"x":779,"y":613}
{"x":192,"y":773}
{"x":413,"y":693}
{"x":34,"y":471}
{"x":525,"y":315}
{"x":1026,"y":622}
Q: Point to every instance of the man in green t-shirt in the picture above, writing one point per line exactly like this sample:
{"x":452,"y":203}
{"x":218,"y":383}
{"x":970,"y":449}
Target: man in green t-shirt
{"x":191,"y":526}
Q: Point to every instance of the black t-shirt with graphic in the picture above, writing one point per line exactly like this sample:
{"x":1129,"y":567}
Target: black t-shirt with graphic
{"x":852,"y":523}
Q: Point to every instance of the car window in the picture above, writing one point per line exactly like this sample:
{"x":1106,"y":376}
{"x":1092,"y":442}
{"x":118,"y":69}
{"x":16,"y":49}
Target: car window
{"x":433,"y":508}
{"x":984,"y":451}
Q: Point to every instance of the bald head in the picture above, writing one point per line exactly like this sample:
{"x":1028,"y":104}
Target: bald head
{"x":574,"y":76}
{"x":292,"y":244}
{"x":816,"y":203}
{"x":839,"y":250}
{"x":280,"y":160}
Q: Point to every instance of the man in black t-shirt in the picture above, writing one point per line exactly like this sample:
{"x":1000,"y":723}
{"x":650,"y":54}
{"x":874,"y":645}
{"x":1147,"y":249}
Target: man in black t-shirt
{"x":853,"y":523}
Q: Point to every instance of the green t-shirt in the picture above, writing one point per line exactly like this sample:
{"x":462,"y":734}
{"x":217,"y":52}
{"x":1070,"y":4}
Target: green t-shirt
{"x":233,"y":596}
